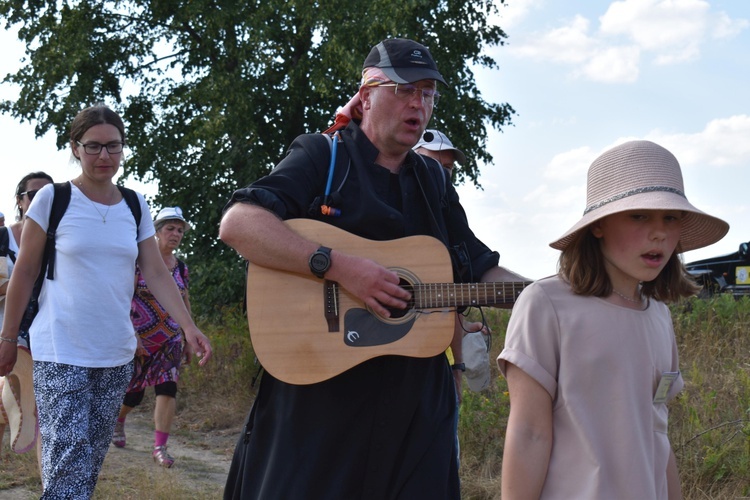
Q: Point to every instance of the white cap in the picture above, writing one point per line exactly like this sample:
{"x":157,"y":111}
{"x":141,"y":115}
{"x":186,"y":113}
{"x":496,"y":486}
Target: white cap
{"x":2,"y":215}
{"x":435,"y":140}
{"x":172,"y":213}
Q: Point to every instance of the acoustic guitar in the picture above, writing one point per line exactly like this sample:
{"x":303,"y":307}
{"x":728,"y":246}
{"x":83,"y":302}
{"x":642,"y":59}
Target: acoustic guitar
{"x":306,"y":330}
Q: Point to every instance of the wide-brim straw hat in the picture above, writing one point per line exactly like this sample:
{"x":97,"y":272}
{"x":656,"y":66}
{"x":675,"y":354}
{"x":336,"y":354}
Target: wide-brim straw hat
{"x":641,"y":175}
{"x":17,"y":404}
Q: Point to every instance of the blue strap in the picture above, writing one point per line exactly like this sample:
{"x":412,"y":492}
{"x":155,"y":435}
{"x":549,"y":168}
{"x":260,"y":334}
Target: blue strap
{"x":332,"y":165}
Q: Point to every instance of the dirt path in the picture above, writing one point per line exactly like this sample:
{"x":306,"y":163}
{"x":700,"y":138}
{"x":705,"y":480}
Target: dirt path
{"x":200,"y":459}
{"x":201,"y":463}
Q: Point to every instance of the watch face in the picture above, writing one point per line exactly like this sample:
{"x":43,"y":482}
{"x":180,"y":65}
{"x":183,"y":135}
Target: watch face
{"x":319,"y":261}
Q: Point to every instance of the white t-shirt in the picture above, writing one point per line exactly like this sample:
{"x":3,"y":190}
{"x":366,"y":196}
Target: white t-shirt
{"x":13,"y":247}
{"x":84,"y":312}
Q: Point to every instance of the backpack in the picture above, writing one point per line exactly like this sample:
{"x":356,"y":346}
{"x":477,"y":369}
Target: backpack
{"x":60,"y":202}
{"x":325,"y":204}
{"x":181,"y":267}
{"x":5,"y":244}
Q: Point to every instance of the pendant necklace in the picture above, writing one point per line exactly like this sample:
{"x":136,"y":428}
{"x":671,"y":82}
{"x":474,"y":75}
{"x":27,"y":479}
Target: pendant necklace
{"x":634,"y":301}
{"x":106,"y":212}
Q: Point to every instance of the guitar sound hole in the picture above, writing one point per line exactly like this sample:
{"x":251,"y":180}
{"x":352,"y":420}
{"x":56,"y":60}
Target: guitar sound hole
{"x":399,"y":313}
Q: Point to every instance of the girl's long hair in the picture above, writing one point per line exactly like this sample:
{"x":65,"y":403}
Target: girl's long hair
{"x":581,"y":264}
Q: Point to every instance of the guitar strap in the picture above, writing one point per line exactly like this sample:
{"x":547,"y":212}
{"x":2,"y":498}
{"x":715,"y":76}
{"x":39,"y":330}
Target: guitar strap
{"x":459,"y":253}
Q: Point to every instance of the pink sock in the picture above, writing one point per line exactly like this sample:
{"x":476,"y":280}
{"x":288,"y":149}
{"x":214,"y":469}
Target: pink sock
{"x":160,"y":438}
{"x":121,"y":420}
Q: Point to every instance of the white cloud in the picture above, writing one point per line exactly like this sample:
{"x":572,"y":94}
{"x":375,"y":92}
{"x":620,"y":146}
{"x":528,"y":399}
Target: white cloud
{"x":673,"y":30}
{"x":612,"y":65}
{"x":513,"y":12}
{"x":725,"y":27}
{"x":558,"y":196}
{"x":568,"y":44}
{"x":574,"y":162}
{"x":722,"y":143}
{"x":667,"y":31}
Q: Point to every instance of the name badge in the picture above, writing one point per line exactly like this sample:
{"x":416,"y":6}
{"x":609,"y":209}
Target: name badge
{"x":667,"y":379}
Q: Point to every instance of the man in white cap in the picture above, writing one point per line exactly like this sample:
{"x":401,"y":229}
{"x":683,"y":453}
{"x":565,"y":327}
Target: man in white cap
{"x":2,"y":219}
{"x":436,"y":145}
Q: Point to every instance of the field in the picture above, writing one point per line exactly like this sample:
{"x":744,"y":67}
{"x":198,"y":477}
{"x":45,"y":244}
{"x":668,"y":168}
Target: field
{"x":709,"y":424}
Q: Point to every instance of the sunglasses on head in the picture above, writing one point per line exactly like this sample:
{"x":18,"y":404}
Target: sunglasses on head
{"x":30,"y":194}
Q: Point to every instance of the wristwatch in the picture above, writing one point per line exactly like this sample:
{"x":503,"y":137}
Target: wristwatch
{"x":320,"y":261}
{"x":459,"y":366}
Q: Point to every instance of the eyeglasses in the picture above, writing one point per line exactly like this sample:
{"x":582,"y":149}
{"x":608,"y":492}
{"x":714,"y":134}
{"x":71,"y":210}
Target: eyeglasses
{"x":94,"y":148}
{"x":407,"y":91}
{"x":30,"y":194}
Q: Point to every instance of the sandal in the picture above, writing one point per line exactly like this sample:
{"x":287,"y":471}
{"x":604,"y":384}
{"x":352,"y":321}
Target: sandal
{"x":161,"y":456}
{"x":118,"y":438}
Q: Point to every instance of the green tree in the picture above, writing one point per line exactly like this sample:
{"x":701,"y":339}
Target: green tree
{"x":212,"y":91}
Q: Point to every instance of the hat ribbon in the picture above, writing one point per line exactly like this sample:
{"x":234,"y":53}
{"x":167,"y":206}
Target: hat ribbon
{"x":632,"y":192}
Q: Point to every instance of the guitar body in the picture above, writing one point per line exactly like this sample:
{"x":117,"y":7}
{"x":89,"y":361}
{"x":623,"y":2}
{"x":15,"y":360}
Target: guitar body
{"x":306,"y":330}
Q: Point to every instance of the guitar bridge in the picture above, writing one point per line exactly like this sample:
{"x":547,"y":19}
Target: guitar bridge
{"x":331,"y":304}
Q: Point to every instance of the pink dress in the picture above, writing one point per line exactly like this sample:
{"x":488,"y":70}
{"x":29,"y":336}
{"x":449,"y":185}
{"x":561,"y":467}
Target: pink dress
{"x":601,"y":364}
{"x":160,"y":335}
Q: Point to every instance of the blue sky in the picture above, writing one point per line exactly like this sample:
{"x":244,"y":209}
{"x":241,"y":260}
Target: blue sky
{"x":583,"y":76}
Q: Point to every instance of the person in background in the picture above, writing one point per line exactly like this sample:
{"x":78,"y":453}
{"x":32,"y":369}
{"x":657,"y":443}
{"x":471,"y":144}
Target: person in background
{"x":157,"y":361}
{"x":27,"y":435}
{"x":590,"y":354}
{"x":385,"y":427}
{"x":82,"y":336}
{"x":26,"y":189}
{"x":2,"y":219}
{"x":436,"y":145}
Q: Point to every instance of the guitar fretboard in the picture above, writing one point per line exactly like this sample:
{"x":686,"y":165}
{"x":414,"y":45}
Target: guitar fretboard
{"x":443,"y":295}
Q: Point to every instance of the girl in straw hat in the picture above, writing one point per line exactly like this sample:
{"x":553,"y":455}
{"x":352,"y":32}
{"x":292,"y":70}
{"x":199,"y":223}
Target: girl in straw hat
{"x":590,"y":355}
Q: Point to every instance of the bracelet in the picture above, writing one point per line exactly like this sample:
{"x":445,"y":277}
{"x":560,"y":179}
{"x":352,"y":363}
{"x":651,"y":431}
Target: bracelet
{"x":459,"y":366}
{"x":10,"y":341}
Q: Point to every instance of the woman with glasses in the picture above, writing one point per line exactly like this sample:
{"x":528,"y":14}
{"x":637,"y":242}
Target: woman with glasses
{"x":83,"y":337}
{"x":25,"y":191}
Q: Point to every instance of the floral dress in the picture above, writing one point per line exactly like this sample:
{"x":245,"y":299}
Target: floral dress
{"x":160,"y":334}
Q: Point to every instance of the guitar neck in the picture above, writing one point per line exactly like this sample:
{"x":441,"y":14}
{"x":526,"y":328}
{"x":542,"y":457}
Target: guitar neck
{"x":452,"y":295}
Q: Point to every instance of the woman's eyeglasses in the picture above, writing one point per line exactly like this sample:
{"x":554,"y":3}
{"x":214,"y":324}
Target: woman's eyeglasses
{"x":94,"y":148}
{"x":30,"y":194}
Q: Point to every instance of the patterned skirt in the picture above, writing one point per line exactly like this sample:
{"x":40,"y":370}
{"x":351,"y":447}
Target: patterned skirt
{"x":161,"y":366}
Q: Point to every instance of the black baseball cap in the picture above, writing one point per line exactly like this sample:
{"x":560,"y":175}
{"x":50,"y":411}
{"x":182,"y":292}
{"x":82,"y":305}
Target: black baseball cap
{"x":403,"y":61}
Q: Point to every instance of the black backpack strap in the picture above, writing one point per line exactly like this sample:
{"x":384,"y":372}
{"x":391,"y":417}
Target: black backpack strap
{"x":5,"y":244}
{"x":60,"y":203}
{"x":181,"y":267}
{"x":131,"y":198}
{"x":439,"y":181}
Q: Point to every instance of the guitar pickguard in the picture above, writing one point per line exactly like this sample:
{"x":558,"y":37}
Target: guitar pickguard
{"x":364,"y":329}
